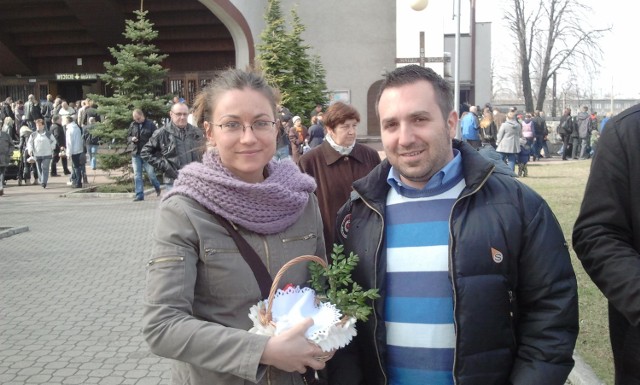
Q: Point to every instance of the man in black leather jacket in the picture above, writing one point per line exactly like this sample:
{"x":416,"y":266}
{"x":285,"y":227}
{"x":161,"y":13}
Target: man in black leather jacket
{"x":175,"y":145}
{"x":504,"y":263}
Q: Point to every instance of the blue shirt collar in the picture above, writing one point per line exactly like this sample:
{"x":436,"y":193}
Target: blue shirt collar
{"x":443,"y":180}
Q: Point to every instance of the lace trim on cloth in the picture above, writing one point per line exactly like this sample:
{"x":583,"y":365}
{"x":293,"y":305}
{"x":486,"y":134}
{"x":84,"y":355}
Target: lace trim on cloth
{"x":294,"y":304}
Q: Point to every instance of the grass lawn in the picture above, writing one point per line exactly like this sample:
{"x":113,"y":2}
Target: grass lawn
{"x":562,"y":186}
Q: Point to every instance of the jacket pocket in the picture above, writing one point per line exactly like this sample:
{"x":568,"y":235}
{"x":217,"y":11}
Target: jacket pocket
{"x":165,"y":278}
{"x":228,"y":275}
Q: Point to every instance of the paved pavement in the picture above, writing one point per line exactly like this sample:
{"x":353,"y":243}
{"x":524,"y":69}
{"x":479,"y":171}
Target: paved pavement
{"x":71,"y":288}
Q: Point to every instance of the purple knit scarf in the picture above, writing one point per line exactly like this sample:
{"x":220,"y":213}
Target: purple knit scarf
{"x":267,"y":207}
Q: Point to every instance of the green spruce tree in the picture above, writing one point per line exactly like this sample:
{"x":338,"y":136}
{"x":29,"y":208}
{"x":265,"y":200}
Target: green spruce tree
{"x":286,"y":64}
{"x":135,"y":77}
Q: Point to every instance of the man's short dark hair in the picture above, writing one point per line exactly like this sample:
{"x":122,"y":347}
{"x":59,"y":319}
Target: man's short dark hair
{"x":414,"y":73}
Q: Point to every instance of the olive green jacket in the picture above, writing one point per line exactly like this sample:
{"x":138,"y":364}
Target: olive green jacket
{"x":199,"y":290}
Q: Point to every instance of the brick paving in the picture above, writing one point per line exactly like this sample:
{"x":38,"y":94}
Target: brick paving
{"x":71,"y":288}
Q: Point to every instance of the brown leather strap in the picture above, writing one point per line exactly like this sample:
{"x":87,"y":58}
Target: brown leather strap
{"x":250,"y":256}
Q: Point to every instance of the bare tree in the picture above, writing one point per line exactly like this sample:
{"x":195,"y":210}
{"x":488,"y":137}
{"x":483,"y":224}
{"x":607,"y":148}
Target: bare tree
{"x":556,"y":34}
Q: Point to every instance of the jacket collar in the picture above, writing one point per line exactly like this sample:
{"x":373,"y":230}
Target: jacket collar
{"x":331,"y":156}
{"x":475,"y":168}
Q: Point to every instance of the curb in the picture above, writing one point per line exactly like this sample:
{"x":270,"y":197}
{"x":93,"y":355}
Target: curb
{"x":6,"y":232}
{"x":582,"y":374}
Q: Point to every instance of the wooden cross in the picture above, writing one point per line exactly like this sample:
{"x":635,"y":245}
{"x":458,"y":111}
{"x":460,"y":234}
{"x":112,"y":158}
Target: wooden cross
{"x":422,"y":60}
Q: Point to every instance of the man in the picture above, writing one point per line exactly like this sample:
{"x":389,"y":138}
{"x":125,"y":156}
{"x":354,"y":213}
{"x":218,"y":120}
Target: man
{"x":565,"y":129}
{"x":32,"y":111}
{"x":580,"y":134}
{"x":540,"y":135}
{"x":140,"y":131}
{"x":91,"y":142}
{"x":336,"y":163}
{"x":61,"y":142}
{"x":469,"y":126}
{"x":47,"y":111}
{"x":174,"y":145}
{"x":474,"y":274}
{"x":74,"y":149}
{"x":40,"y":146}
{"x":606,"y":237}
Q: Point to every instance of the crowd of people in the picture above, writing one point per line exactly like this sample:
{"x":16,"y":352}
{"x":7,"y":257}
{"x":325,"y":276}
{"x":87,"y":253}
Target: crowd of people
{"x":475,"y":279}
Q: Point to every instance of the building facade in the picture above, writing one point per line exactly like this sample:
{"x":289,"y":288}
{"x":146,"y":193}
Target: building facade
{"x":59,"y":46}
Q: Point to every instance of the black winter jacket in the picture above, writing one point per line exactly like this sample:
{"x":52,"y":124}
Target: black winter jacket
{"x":515,"y":295}
{"x":143,"y":132}
{"x":606,"y":235}
{"x":170,"y":148}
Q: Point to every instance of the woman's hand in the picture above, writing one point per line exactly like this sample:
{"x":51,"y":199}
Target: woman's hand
{"x":291,"y":351}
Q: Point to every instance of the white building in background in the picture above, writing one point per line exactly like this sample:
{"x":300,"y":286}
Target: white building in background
{"x":359,"y":40}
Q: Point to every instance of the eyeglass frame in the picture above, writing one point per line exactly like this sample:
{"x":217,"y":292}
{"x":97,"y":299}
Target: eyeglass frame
{"x":225,"y":127}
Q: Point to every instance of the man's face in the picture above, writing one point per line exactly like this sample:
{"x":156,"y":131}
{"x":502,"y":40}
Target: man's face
{"x":179,"y":113}
{"x":138,"y":118}
{"x":415,"y":137}
{"x":39,"y":125}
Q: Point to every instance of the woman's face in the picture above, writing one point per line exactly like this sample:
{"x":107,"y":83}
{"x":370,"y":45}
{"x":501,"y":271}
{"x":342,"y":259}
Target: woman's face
{"x":345,"y":133}
{"x":244,"y":151}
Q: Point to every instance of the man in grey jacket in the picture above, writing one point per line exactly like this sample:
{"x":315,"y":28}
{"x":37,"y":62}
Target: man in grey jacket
{"x":174,"y":145}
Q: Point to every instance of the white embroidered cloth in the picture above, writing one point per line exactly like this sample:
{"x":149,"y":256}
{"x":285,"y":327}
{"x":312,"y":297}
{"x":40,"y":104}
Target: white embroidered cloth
{"x":293,"y":305}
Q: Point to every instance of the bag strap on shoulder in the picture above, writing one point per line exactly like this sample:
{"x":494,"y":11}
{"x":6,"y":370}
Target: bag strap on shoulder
{"x":250,"y":256}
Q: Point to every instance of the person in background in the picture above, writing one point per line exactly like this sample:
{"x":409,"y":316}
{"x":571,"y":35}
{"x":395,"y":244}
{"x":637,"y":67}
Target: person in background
{"x":606,"y":237}
{"x":283,"y":145}
{"x":61,"y":143}
{"x":508,"y":140}
{"x":565,"y":129}
{"x":30,"y":168}
{"x":199,"y":288}
{"x":604,"y":121}
{"x":140,"y":131}
{"x":74,"y":149}
{"x":469,"y":126}
{"x":6,"y":150}
{"x":46,"y":108}
{"x":298,"y":133}
{"x":41,"y":145}
{"x":175,"y":145}
{"x":580,"y":134}
{"x":474,"y":274}
{"x":336,"y":163}
{"x":91,"y":142}
{"x":316,"y":132}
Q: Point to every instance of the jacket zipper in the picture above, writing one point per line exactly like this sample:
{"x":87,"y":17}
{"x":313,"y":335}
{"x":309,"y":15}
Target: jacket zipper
{"x":164,"y":259}
{"x":375,"y":285}
{"x":211,"y":251}
{"x":453,"y":279}
{"x":300,"y":238}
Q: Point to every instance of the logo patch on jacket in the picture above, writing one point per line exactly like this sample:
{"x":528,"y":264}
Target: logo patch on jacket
{"x":345,"y":225}
{"x":496,"y":255}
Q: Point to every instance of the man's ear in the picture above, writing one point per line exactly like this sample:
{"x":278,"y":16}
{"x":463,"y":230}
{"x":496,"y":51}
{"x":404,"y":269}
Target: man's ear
{"x":452,"y":122}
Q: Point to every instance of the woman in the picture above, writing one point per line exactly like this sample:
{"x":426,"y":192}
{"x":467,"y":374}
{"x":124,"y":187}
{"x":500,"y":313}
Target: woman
{"x":336,"y":163}
{"x":297,"y":135}
{"x":199,"y":287}
{"x":488,"y":129}
{"x":508,"y":140}
{"x":40,"y":145}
